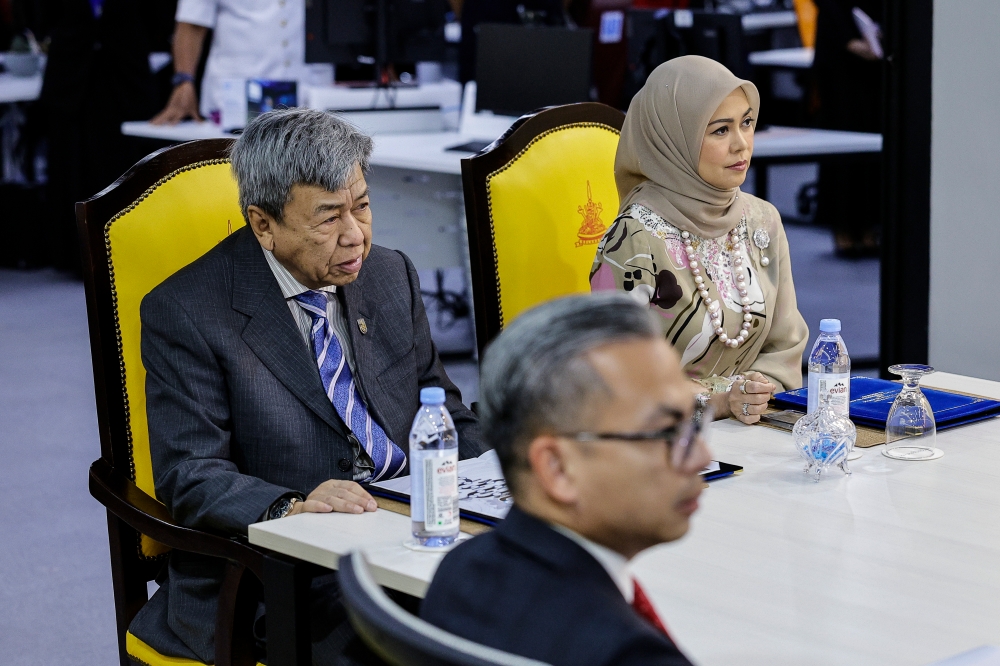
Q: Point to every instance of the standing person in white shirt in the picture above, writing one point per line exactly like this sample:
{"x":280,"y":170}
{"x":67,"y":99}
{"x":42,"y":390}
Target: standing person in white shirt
{"x":250,"y":39}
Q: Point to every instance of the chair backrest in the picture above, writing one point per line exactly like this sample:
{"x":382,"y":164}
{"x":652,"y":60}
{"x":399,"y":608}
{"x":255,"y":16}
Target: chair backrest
{"x":402,"y":639}
{"x":164,"y":213}
{"x":537,"y":202}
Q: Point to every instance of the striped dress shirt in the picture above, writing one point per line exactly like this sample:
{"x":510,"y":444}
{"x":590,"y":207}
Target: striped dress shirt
{"x":290,"y":288}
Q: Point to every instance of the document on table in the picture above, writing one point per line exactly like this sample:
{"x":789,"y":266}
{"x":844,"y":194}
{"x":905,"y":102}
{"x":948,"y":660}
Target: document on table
{"x":482,"y":490}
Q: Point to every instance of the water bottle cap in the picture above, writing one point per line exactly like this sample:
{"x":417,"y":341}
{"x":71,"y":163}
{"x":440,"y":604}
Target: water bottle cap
{"x":829,"y":325}
{"x":432,"y":395}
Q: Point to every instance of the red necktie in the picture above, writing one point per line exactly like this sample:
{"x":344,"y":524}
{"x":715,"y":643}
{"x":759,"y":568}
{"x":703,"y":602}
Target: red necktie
{"x":644,"y":607}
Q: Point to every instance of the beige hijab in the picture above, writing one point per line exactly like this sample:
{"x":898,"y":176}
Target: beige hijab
{"x":660,"y":146}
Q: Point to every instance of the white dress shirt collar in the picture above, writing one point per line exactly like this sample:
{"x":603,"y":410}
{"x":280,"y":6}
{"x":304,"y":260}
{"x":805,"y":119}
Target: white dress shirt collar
{"x":614,"y":563}
{"x":290,"y":287}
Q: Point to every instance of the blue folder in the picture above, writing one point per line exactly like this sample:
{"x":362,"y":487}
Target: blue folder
{"x":871,"y":400}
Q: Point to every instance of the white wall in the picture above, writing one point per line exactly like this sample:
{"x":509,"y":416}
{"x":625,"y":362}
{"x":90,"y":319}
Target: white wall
{"x":965,"y":189}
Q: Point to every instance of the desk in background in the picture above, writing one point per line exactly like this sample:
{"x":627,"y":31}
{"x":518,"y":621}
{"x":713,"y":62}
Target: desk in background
{"x":795,"y":58}
{"x":896,"y":564}
{"x":769,"y":20}
{"x":19,"y":89}
{"x":428,"y":151}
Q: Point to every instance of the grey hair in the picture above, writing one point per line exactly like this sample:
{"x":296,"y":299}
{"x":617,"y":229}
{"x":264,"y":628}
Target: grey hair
{"x":534,"y":377}
{"x":287,"y":147}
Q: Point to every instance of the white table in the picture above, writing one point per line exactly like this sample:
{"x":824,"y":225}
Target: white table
{"x":427,"y":151}
{"x":770,"y":20}
{"x":897,"y":564}
{"x":796,"y":58}
{"x":19,"y":89}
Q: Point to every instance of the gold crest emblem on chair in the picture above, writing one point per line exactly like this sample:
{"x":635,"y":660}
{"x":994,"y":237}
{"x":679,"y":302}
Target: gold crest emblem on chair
{"x":592,"y":230}
{"x":524,"y":198}
{"x":165,"y":212}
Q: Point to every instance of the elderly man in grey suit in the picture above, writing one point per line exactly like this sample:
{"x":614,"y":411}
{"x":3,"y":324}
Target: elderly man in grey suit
{"x":283,"y":367}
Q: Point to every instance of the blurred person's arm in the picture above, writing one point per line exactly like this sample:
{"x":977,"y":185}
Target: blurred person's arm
{"x":862,"y":49}
{"x":189,"y":39}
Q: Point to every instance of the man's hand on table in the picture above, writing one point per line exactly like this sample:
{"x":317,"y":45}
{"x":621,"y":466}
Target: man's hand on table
{"x":336,"y":495}
{"x":183,"y":104}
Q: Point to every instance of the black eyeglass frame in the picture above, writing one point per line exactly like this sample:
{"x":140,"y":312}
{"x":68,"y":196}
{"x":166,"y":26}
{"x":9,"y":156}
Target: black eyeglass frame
{"x":677,"y":437}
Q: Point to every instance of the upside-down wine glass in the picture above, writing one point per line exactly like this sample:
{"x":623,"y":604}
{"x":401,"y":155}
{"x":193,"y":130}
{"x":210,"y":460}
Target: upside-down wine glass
{"x":910,"y":431}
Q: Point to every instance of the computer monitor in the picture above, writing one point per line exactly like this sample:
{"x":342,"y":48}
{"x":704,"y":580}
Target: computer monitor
{"x":655,"y":36}
{"x":375,"y":32}
{"x":720,"y":37}
{"x":652,"y":38}
{"x":523,"y":68}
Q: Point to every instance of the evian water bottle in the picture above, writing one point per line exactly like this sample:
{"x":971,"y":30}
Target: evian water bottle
{"x":433,"y":472}
{"x":830,"y":369}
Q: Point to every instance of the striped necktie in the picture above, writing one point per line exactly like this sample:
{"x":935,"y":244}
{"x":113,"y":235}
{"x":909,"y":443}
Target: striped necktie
{"x":342,"y":391}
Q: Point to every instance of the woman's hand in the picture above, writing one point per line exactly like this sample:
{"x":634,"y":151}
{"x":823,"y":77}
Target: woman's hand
{"x":758,"y":390}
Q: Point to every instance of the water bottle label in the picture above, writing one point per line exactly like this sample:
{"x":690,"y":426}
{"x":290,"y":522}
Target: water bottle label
{"x":440,"y":492}
{"x":835,"y":384}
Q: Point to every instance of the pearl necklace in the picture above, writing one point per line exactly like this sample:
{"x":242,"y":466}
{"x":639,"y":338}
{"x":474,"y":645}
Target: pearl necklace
{"x":714,"y":306}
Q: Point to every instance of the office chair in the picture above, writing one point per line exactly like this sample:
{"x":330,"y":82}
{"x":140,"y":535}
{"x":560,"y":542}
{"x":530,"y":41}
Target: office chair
{"x":402,"y":639}
{"x":537,"y":202}
{"x":165,"y":212}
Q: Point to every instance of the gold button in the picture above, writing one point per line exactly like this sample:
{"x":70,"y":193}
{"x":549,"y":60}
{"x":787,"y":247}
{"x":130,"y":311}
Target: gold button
{"x":288,"y":63}
{"x":284,"y":23}
{"x":284,"y":42}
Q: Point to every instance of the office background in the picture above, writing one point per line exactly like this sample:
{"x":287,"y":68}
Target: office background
{"x":56,"y":604}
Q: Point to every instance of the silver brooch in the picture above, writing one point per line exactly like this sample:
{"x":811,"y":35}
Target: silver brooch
{"x":761,"y":239}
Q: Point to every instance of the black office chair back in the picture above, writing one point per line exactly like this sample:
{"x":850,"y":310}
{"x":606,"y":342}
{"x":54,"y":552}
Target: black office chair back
{"x":402,"y":639}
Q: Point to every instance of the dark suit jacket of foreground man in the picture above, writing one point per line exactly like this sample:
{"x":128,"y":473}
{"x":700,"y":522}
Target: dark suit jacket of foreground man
{"x":527,"y":589}
{"x":238,"y":415}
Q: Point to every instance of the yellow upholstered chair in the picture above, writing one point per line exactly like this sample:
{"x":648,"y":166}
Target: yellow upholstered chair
{"x":537,"y":202}
{"x":167,"y":211}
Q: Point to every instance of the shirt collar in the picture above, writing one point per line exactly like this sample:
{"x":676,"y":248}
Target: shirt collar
{"x":614,"y":563}
{"x":290,"y":287}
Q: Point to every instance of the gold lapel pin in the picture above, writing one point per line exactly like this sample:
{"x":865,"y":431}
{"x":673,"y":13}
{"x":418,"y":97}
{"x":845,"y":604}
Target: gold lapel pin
{"x":362,"y":326}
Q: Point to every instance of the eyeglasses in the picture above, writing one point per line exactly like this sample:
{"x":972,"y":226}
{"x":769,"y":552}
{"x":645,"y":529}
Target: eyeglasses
{"x":679,"y":438}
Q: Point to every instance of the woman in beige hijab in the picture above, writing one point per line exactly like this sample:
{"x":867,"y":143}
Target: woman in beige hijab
{"x":711,"y":260}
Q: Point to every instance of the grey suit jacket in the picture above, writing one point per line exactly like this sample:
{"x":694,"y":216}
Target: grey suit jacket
{"x":237,"y":412}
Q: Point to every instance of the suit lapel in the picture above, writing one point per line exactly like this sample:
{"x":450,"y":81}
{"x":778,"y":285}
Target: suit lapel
{"x":271,"y":332}
{"x":542,"y":542}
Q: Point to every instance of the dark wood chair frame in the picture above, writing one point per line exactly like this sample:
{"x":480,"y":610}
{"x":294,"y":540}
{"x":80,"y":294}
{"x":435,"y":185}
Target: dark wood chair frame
{"x":476,"y":171}
{"x":112,"y":478}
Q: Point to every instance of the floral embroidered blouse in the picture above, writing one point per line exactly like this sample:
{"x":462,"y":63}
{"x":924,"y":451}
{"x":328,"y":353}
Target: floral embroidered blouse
{"x":644,"y":255}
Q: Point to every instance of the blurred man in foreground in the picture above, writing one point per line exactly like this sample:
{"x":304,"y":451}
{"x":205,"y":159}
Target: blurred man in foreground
{"x":598,"y":436}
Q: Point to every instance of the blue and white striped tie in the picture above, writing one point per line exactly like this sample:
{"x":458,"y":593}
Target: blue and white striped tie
{"x":340,"y":388}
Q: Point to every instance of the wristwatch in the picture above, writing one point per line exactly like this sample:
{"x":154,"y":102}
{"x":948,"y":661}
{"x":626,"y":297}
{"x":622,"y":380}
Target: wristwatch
{"x":282,"y":507}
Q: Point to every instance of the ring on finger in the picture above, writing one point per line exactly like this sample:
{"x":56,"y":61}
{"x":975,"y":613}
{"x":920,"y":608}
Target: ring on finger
{"x":746,"y":409}
{"x":743,"y":386}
